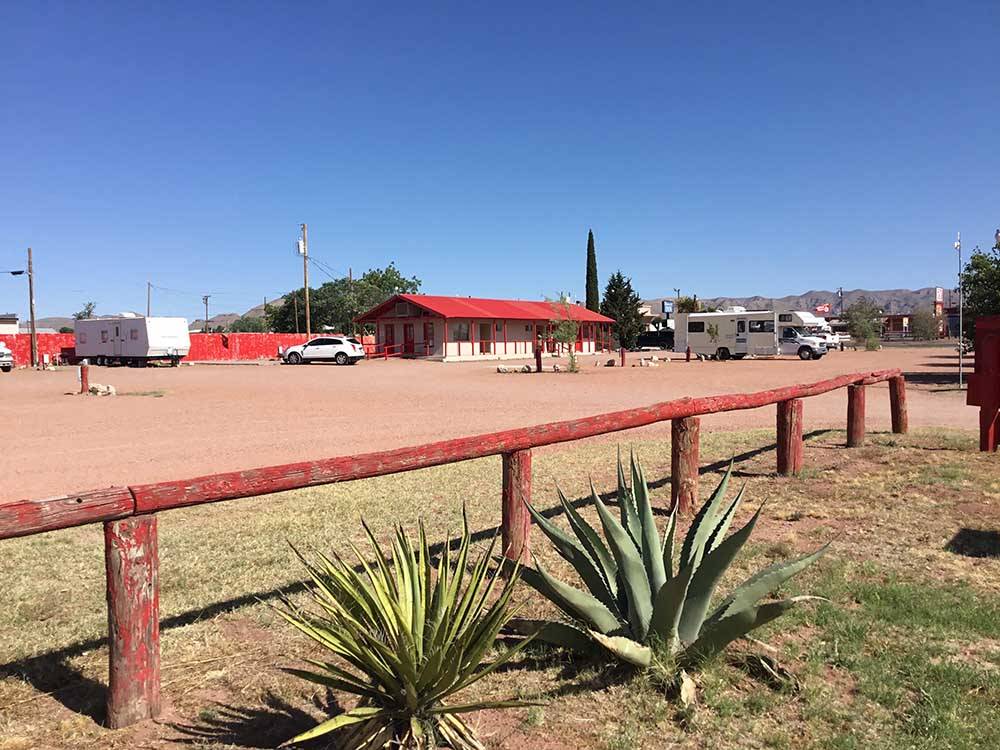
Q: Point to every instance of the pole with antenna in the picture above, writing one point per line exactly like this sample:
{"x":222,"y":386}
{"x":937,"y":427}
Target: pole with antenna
{"x":31,"y":311}
{"x":961,"y":331}
{"x":149,"y":298}
{"x":205,"y":299}
{"x":305,"y":275}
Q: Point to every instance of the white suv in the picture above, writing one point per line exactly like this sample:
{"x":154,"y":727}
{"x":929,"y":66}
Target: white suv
{"x":340,"y":349}
{"x":6,"y":358}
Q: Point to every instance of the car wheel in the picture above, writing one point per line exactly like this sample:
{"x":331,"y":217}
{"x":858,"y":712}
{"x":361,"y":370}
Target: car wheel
{"x":805,"y":353}
{"x":295,"y":358}
{"x":6,"y":369}
{"x":722,"y":354}
{"x":817,"y":355}
{"x":341,"y":358}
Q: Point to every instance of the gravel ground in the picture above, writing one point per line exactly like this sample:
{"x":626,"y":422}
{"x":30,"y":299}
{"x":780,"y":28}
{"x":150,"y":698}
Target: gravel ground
{"x":184,"y":422}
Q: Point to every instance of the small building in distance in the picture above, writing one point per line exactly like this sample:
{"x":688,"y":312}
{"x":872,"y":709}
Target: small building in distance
{"x":453,"y":329}
{"x":8,"y":323}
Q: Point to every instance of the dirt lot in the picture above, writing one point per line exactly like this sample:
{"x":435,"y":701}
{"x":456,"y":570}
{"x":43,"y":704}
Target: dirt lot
{"x":172,"y":423}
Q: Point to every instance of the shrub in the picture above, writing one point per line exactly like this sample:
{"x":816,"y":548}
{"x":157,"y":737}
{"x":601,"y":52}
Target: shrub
{"x":408,"y":640}
{"x":637,"y":604}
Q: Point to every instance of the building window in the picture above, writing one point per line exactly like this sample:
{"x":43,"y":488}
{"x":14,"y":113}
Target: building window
{"x":499,"y":327}
{"x":460,"y":332}
{"x":696,"y":326}
{"x":761,"y":326}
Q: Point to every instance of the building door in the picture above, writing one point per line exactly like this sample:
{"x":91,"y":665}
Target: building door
{"x":389,"y":339}
{"x":741,"y":337}
{"x":407,"y":338}
{"x":428,"y":339}
{"x":485,"y":338}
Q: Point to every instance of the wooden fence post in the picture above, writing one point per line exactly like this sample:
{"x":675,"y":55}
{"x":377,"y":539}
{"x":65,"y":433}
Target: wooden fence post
{"x":897,"y":404}
{"x":515,"y":521}
{"x":684,"y":435}
{"x":790,"y":437}
{"x":855,"y":416}
{"x":132,"y":563}
{"x":623,"y":356}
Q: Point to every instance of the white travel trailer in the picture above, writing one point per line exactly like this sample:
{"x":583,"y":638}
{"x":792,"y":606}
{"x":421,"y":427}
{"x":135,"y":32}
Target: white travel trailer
{"x":131,"y":340}
{"x":739,"y":333}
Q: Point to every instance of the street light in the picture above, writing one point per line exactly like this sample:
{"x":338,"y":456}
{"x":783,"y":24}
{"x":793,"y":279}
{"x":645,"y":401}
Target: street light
{"x":31,"y":306}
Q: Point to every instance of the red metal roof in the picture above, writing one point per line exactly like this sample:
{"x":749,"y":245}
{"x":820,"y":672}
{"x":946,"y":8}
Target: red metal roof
{"x":475,"y":307}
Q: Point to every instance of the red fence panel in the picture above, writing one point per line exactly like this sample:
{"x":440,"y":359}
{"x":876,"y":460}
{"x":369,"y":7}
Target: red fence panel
{"x":59,"y":346}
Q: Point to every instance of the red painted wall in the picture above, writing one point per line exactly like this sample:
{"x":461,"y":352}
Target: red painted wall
{"x":228,"y":346}
{"x":204,"y":346}
{"x":56,"y":345}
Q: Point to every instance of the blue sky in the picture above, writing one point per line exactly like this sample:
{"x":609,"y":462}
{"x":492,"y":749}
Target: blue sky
{"x":726,"y":149}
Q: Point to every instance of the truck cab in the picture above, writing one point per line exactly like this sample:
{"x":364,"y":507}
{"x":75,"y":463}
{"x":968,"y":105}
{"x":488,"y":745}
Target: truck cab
{"x":794,"y":340}
{"x":6,"y":358}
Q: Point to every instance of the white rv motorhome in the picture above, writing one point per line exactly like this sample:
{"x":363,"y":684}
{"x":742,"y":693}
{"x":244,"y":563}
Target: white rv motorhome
{"x":811,"y":324}
{"x":739,"y":333}
{"x":131,"y":340}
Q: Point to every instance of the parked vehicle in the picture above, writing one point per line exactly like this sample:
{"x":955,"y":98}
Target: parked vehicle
{"x":343,"y":350}
{"x":131,"y":340}
{"x":661,"y":339}
{"x":737,"y":334}
{"x":813,"y":325}
{"x":6,"y":358}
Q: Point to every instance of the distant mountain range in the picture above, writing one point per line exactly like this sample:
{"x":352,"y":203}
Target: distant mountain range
{"x":892,"y":301}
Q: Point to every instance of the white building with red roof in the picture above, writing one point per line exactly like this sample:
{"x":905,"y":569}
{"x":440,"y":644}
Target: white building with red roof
{"x":454,"y":329}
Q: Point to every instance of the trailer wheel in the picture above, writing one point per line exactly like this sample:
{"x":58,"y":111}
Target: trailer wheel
{"x":295,"y":358}
{"x":723,"y":354}
{"x":805,"y":353}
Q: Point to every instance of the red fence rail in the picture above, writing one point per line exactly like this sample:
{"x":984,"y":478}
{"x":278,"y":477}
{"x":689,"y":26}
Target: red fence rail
{"x":128,"y":513}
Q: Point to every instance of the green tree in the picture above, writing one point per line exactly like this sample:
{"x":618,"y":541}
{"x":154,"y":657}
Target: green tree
{"x":65,"y":329}
{"x":687,"y":305}
{"x":86,"y":312}
{"x":336,"y":303}
{"x":981,"y":287}
{"x":864,"y":321}
{"x":593,"y":288}
{"x":565,"y":330}
{"x":924,"y":325}
{"x":249,"y":324}
{"x":622,"y":303}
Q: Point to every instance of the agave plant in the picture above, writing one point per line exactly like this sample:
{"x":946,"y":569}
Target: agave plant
{"x":408,"y":638}
{"x":642,"y":596}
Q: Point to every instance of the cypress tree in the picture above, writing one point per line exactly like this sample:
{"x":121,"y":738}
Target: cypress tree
{"x":593,"y":290}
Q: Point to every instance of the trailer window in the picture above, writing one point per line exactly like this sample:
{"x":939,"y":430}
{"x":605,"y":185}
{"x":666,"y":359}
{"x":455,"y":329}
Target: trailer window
{"x":133,"y":334}
{"x":104,"y":337}
{"x":696,"y":326}
{"x":761,"y":326}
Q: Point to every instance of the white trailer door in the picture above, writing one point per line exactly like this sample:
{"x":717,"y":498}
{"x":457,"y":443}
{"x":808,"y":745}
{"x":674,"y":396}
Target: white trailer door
{"x":117,"y":339}
{"x":741,"y":347}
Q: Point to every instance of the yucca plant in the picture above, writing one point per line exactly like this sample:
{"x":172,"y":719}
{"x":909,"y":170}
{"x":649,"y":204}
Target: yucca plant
{"x":642,"y":597}
{"x":408,"y":638}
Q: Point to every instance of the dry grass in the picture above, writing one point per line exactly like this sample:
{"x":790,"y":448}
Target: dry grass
{"x":906,"y":655}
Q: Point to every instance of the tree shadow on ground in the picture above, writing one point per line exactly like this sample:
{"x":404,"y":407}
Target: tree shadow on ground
{"x":975,"y":543}
{"x":49,"y":673}
{"x":265,"y":726}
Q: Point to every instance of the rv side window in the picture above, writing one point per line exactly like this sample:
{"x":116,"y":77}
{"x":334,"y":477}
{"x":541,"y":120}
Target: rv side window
{"x":761,"y":326}
{"x":696,"y":326}
{"x":741,"y":326}
{"x":785,"y":318}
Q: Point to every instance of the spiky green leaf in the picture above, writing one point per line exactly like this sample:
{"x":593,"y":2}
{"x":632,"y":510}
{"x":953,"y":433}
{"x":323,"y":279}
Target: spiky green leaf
{"x":632,"y":573}
{"x":625,"y":648}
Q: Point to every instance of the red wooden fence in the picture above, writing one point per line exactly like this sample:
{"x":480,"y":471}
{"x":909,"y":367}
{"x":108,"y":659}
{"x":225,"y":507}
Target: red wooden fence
{"x":129,"y":513}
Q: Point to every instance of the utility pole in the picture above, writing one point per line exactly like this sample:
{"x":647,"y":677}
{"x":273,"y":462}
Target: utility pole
{"x":305,"y":274}
{"x":31,"y":311}
{"x":149,"y":297}
{"x":840,"y":294}
{"x":205,"y":300}
{"x":350,"y":289}
{"x":961,"y":332}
